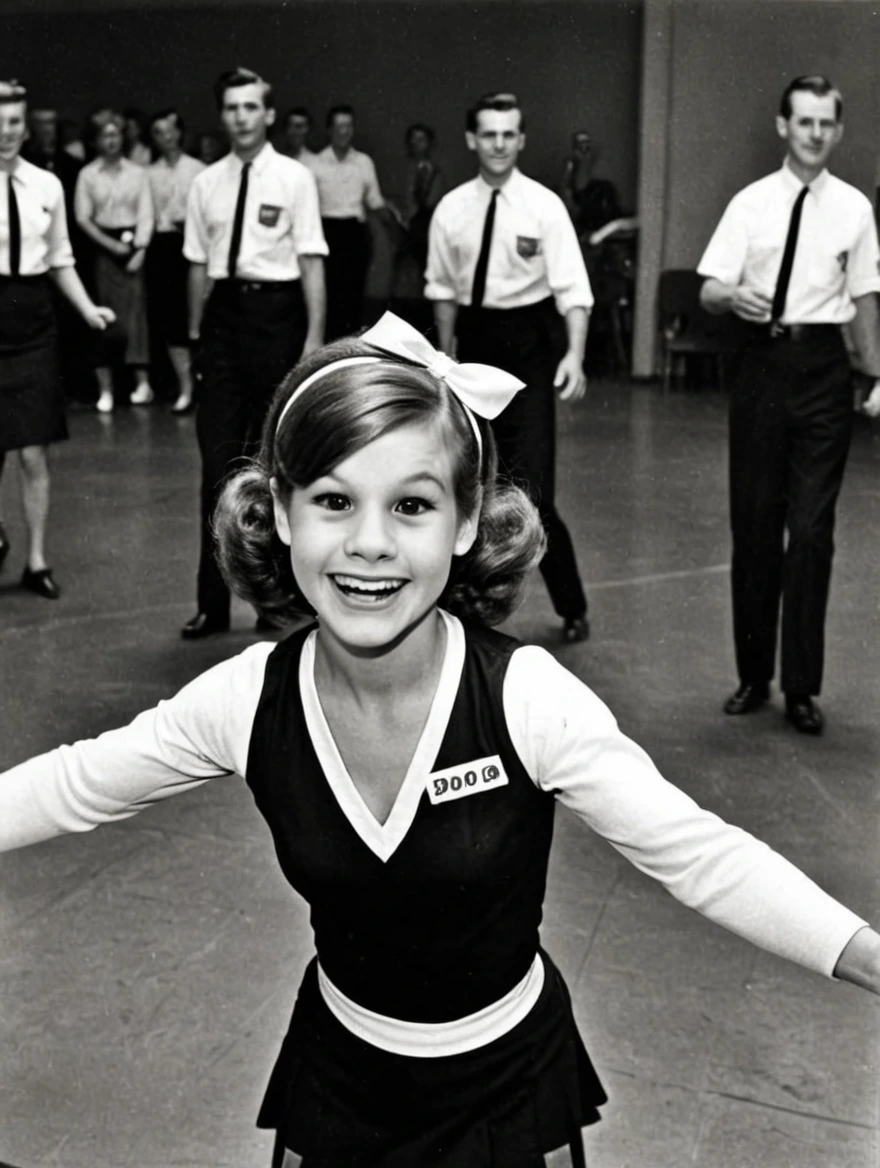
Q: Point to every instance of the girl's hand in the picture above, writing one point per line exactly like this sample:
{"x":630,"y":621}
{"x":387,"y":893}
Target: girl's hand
{"x":99,"y":318}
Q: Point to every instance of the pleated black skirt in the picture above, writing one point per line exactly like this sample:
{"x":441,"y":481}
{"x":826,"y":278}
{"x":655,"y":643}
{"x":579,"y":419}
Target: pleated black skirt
{"x":31,"y":396}
{"x":339,"y":1102}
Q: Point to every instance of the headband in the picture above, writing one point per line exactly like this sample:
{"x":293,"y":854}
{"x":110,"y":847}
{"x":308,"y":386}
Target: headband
{"x":481,"y":389}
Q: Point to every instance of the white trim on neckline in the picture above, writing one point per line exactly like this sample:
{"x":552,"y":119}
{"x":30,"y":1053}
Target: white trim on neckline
{"x":384,"y":838}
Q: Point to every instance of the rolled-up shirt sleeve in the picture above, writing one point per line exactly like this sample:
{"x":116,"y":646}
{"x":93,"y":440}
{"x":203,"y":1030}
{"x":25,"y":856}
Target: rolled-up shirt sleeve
{"x":202,"y":733}
{"x":725,"y":256}
{"x":566,"y":270}
{"x":308,"y":234}
{"x":571,"y":746}
{"x":195,"y":234}
{"x":372,"y":192}
{"x":145,"y":218}
{"x":59,"y":253}
{"x":439,"y":274}
{"x":863,"y":265}
{"x":83,"y":198}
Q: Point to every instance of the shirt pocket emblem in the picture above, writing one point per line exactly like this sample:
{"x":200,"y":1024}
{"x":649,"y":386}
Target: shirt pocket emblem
{"x":528,"y":246}
{"x":471,"y":778}
{"x":269,"y":215}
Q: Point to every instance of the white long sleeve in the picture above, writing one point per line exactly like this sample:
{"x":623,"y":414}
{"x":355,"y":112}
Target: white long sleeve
{"x":202,"y":733}
{"x":570,"y":743}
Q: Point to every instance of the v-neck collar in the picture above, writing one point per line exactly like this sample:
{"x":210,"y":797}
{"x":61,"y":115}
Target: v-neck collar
{"x":384,"y":838}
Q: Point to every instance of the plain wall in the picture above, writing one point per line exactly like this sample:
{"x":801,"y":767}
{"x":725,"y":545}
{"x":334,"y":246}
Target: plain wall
{"x":731,"y":60}
{"x":572,"y":63}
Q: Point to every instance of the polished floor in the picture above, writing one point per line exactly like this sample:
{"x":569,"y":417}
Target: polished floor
{"x":147,"y":971}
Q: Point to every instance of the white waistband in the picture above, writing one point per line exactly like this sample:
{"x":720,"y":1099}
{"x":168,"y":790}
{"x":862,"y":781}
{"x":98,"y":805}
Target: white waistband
{"x":436,"y":1039}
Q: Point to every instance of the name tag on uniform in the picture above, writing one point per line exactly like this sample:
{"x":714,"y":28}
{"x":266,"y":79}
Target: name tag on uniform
{"x":483,"y":774}
{"x":269,"y":215}
{"x":527,"y":247}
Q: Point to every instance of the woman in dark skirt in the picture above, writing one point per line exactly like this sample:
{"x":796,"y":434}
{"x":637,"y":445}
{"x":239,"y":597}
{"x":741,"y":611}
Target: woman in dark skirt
{"x":34,"y":251}
{"x":114,"y":208}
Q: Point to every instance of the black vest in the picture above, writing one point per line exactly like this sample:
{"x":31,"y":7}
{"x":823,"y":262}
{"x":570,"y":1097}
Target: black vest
{"x":449,"y":922}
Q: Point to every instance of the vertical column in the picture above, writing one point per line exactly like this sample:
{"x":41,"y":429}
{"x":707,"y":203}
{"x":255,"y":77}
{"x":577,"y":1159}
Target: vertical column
{"x":656,"y":100}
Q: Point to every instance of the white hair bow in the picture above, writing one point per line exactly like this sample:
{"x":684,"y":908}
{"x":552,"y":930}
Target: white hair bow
{"x":482,"y":388}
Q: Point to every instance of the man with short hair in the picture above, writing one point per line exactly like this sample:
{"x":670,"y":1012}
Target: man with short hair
{"x":347,"y":189}
{"x":503,"y":266}
{"x":256,"y":299}
{"x":297,"y":127}
{"x":795,"y":256}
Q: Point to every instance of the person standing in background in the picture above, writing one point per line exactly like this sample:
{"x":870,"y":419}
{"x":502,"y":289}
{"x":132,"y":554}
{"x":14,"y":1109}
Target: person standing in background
{"x":503,"y":266}
{"x":297,"y":127}
{"x":347,"y":189}
{"x":115,"y":210}
{"x":167,"y":271}
{"x":35,"y":252}
{"x":256,"y":300}
{"x":795,"y":256}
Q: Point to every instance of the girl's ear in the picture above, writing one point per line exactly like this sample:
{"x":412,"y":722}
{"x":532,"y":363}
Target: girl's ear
{"x":467,"y":533}
{"x":282,"y":523}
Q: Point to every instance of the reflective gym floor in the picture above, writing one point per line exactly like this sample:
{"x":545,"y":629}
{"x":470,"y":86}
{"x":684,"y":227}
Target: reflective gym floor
{"x":147,"y":970}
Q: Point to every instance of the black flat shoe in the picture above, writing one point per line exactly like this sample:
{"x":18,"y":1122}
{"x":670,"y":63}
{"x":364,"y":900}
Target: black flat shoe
{"x":41,"y":582}
{"x":804,"y":714}
{"x":203,"y":625}
{"x":576,"y":629}
{"x":750,"y":696}
{"x":4,"y":544}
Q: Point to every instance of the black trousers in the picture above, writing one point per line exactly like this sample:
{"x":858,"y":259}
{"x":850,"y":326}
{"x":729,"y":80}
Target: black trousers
{"x":252,"y":336}
{"x":790,"y":424}
{"x":527,"y":343}
{"x":346,"y":273}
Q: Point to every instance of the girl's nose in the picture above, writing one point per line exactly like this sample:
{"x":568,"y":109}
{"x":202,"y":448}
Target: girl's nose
{"x":369,"y":536}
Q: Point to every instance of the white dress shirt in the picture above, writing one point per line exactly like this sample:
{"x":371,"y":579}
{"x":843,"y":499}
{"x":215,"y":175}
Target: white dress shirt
{"x":169,"y":186}
{"x":281,"y":220}
{"x":836,"y":258}
{"x":348,"y":186}
{"x":115,"y":196}
{"x":44,"y":240}
{"x":535,"y":252}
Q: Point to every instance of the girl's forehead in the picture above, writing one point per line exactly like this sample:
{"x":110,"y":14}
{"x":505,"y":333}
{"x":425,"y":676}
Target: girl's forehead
{"x":402,"y":452}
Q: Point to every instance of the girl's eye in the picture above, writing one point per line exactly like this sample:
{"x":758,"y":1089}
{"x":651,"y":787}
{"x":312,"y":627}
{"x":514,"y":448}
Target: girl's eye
{"x":414,"y":506}
{"x":333,"y":502}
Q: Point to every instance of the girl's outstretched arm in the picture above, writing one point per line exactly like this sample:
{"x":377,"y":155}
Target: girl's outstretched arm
{"x":201,"y":733}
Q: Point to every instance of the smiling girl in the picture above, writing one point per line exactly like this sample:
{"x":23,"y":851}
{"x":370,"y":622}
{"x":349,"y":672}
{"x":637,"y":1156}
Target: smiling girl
{"x":407,"y":760}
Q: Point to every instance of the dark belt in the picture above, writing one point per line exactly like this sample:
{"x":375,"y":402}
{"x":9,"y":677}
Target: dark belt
{"x":247,"y":286}
{"x":791,"y":332}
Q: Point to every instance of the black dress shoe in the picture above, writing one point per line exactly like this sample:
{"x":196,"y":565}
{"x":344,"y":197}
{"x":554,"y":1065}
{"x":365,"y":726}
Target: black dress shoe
{"x":42,"y":582}
{"x":803,"y":713}
{"x":576,"y":629}
{"x":751,"y":695}
{"x":204,"y":625}
{"x":4,"y":544}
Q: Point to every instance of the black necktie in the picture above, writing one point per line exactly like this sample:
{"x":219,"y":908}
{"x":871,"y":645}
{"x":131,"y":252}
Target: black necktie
{"x":787,"y":264}
{"x":14,"y":231}
{"x":238,"y":221}
{"x":479,"y":288}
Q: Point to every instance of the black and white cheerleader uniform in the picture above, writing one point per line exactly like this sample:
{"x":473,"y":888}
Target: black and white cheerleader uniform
{"x":431,"y":1028}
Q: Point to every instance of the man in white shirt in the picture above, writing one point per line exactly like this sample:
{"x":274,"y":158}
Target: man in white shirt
{"x":297,"y":127}
{"x":347,"y":189}
{"x":503,"y":266}
{"x":256,"y":299}
{"x":795,"y":256}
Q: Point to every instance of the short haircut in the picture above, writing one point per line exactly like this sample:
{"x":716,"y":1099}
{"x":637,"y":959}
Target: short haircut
{"x":419,"y":128}
{"x":298,"y":111}
{"x":339,"y":109}
{"x":352,"y":407}
{"x":235,"y":79}
{"x":101,"y":117}
{"x":494,"y":101}
{"x":170,"y":112}
{"x":810,"y":83}
{"x":12,"y":92}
